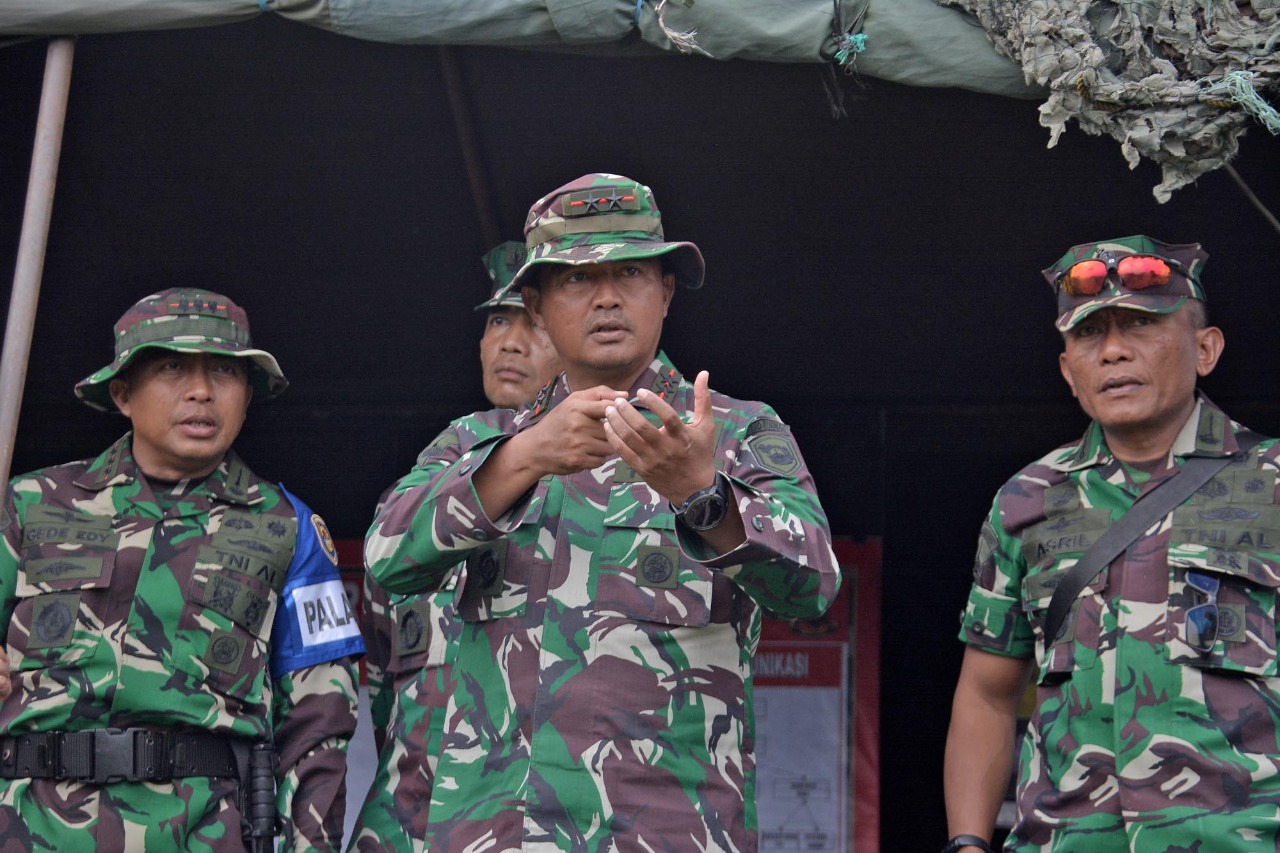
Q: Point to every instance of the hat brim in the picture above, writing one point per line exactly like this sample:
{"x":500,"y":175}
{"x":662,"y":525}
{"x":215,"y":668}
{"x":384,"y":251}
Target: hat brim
{"x":509,"y":300}
{"x":683,"y":259}
{"x":267,"y":380}
{"x":1163,"y":304}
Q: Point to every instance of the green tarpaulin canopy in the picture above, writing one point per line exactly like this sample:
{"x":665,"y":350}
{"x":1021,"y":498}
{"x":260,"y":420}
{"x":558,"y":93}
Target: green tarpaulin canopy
{"x":1176,"y":81}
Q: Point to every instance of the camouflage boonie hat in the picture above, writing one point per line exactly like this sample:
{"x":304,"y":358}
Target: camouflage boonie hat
{"x":599,"y":218}
{"x":1188,"y":259}
{"x":502,"y":263}
{"x":183,"y":320}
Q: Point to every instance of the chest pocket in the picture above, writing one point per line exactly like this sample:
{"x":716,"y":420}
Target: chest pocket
{"x":495,"y":586}
{"x":67,"y":560}
{"x":418,"y":640}
{"x":231,"y":602}
{"x":1050,"y":549}
{"x":640,"y":571}
{"x":497,"y":575}
{"x":65,"y":549}
{"x":1224,"y":557}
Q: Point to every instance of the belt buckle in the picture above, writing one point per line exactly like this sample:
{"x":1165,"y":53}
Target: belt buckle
{"x":113,"y":754}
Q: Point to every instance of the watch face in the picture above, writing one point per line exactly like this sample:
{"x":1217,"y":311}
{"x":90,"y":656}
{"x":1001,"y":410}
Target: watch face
{"x":705,"y":512}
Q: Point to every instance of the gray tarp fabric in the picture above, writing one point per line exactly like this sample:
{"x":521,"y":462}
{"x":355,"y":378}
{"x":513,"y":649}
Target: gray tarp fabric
{"x":915,"y":42}
{"x":1176,"y":81}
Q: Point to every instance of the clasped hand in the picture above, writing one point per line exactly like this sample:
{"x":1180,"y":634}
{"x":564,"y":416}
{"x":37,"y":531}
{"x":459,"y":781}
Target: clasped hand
{"x":674,"y":457}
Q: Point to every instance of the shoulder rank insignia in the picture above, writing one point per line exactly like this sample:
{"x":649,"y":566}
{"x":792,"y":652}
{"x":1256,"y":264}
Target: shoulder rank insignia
{"x":539,"y":405}
{"x":770,"y":443}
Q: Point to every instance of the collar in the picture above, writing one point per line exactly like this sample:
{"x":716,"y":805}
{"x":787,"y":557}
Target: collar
{"x":231,"y":481}
{"x":1207,"y":432}
{"x":660,"y":377}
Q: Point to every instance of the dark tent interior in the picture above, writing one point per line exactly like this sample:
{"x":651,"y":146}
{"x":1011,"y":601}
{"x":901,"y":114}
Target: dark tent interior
{"x":875,"y":277}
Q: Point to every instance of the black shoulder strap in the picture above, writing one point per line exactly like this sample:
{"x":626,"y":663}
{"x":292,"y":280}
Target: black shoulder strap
{"x":1146,"y":511}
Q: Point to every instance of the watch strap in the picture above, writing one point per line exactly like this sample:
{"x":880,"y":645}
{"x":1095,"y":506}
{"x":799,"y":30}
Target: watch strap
{"x":959,"y":842}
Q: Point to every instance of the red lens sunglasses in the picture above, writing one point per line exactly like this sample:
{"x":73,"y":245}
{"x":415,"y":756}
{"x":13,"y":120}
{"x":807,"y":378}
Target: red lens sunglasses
{"x":1136,"y":272}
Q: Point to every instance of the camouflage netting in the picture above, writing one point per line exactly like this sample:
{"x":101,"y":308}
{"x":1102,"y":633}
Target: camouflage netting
{"x":1176,"y":81}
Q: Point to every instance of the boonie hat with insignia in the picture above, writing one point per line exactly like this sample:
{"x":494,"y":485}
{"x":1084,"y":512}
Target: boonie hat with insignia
{"x":502,"y":263}
{"x":183,"y":320}
{"x":599,"y":218}
{"x":1140,"y":283}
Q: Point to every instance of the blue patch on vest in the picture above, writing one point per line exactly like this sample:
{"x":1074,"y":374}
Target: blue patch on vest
{"x":315,"y":622}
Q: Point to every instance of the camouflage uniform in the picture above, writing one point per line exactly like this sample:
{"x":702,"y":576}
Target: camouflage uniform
{"x":1138,"y":741}
{"x":408,"y":693}
{"x":410,"y":640}
{"x":603,"y":696}
{"x":217,"y":611}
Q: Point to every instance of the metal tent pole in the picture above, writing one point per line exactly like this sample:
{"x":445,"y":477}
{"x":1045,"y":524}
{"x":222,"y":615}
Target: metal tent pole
{"x":32,"y":242}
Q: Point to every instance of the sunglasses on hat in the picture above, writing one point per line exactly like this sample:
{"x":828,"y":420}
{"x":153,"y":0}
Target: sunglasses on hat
{"x":1136,"y":272}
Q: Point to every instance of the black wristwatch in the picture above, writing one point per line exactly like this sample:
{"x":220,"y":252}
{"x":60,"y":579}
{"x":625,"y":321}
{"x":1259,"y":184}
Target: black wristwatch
{"x":705,"y":509}
{"x":960,"y":842}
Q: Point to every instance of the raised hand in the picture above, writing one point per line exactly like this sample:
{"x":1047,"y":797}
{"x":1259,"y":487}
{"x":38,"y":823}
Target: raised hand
{"x":676,"y":457}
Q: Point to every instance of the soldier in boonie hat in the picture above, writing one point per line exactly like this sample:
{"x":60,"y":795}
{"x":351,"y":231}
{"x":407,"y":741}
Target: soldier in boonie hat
{"x":637,"y":462}
{"x":502,"y":262}
{"x":600,"y":218}
{"x":1138,"y":272}
{"x":516,"y":357}
{"x":184,"y":320}
{"x":516,"y":361}
{"x":218,"y":571}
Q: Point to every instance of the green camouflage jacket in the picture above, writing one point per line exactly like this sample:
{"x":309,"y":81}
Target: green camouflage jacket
{"x":603,"y":675}
{"x":1141,"y":740}
{"x":209,"y":616}
{"x":408,"y":639}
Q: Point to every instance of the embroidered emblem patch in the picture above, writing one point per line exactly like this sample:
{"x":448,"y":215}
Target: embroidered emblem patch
{"x":53,"y":620}
{"x":225,"y":652}
{"x":1231,"y":623}
{"x":487,"y":567}
{"x":770,"y":442}
{"x":775,"y":452}
{"x":326,"y":540}
{"x":657,"y":566}
{"x":442,"y":446}
{"x":412,"y":631}
{"x":63,"y":568}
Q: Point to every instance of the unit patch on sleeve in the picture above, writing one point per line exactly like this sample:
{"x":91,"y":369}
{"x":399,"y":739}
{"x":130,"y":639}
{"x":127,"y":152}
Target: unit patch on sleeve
{"x":443,"y":445}
{"x":770,"y":442}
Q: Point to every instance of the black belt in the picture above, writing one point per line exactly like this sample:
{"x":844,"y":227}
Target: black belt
{"x":103,"y":756}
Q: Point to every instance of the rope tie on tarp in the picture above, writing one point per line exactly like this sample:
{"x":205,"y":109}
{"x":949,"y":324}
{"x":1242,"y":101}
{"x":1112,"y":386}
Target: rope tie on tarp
{"x":683,"y":40}
{"x":849,"y":45}
{"x":1237,"y":87}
